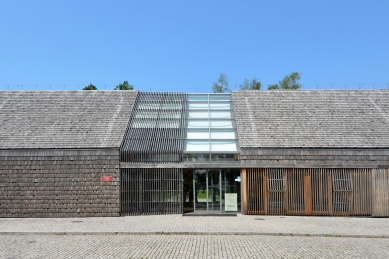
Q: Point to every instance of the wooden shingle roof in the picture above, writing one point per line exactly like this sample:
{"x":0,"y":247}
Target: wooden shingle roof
{"x":312,"y":119}
{"x":64,"y":119}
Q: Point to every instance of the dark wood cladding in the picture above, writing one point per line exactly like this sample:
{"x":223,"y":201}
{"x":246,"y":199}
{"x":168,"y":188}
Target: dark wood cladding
{"x":59,"y":183}
{"x":151,"y":191}
{"x":314,"y":191}
{"x":314,"y":158}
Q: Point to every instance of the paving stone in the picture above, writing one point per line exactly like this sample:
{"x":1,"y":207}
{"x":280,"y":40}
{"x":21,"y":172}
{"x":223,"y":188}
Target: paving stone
{"x":242,"y":224}
{"x":189,"y":246}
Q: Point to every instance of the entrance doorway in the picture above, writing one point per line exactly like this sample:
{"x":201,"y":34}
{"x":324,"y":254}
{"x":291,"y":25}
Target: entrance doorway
{"x":212,"y":191}
{"x":208,"y":190}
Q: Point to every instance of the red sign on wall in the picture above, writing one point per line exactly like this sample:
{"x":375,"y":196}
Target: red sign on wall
{"x":106,"y":178}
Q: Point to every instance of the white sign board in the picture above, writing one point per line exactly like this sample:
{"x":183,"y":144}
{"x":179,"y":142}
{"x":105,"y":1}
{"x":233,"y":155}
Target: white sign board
{"x":231,"y":202}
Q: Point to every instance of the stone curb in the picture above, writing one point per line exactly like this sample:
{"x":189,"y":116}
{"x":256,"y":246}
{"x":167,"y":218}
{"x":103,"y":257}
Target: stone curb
{"x":192,"y":233}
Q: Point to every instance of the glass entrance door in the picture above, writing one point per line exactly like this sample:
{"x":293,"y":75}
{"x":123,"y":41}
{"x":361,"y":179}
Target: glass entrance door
{"x":215,"y":190}
{"x":207,"y":187}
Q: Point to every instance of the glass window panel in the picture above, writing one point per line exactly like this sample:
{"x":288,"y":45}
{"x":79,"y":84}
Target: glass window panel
{"x":197,"y":135}
{"x":199,"y":97}
{"x":197,"y":115}
{"x":145,"y":106}
{"x":169,"y":124}
{"x":151,"y":99}
{"x":227,"y":124}
{"x":191,"y":146}
{"x":196,"y":157}
{"x":223,"y":135}
{"x":226,"y":97}
{"x":221,"y":106}
{"x":144,"y":124}
{"x":197,"y":124}
{"x":171,"y":106}
{"x":225,"y":157}
{"x":223,"y":146}
{"x":170,"y":115}
{"x":146,"y":114}
{"x":197,"y":106}
{"x":221,"y":115}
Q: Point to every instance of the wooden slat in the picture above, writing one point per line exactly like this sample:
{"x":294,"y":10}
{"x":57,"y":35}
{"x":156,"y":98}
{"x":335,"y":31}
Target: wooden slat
{"x":380,"y":193}
{"x":307,"y":193}
{"x":151,"y":191}
{"x":156,"y":129}
{"x":315,"y":191}
{"x":244,"y":190}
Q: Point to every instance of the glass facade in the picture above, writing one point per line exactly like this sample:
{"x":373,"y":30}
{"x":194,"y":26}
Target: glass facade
{"x":174,"y":127}
{"x":212,"y":191}
{"x":210,"y":133}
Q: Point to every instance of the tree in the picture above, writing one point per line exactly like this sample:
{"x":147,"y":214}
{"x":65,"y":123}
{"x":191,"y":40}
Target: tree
{"x":90,"y":87}
{"x":124,"y":86}
{"x":222,"y":84}
{"x":273,"y":87}
{"x":290,"y":82}
{"x":253,"y":85}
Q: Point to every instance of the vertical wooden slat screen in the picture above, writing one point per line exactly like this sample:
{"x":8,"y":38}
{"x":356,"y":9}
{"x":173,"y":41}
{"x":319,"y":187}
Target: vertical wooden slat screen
{"x":295,"y":189}
{"x":342,"y":189}
{"x":146,"y":191}
{"x":320,"y":191}
{"x":362,"y":191}
{"x":276,"y":191}
{"x":316,"y":191}
{"x":380,"y":186}
{"x":255,"y":187}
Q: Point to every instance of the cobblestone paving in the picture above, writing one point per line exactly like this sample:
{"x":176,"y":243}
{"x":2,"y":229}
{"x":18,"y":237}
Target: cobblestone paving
{"x":347,"y":226}
{"x":189,"y":246}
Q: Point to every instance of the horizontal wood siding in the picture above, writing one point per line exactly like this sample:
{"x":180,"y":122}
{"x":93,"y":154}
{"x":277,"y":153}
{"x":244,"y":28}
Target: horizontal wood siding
{"x":314,"y":158}
{"x":59,"y":183}
{"x":312,"y":191}
{"x":151,"y":191}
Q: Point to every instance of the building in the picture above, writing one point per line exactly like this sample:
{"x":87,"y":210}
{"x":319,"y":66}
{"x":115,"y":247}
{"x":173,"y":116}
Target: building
{"x":112,"y":153}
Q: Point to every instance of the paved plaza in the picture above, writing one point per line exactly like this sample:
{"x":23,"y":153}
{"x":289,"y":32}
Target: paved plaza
{"x":189,"y":246}
{"x":177,"y":236}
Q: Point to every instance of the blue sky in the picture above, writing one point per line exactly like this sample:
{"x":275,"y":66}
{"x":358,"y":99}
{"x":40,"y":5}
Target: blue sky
{"x":185,"y":45}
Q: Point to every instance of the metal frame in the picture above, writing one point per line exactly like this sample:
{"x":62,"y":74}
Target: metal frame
{"x":206,"y":186}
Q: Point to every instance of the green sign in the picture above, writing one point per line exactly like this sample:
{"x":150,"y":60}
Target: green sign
{"x":231,"y":202}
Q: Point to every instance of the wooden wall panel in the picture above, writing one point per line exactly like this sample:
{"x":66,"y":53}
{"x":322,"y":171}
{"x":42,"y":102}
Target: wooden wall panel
{"x":296,"y":192}
{"x":362,"y":192}
{"x":315,"y":191}
{"x":380,"y":204}
{"x":59,"y":183}
{"x":255,"y":191}
{"x":244,"y":191}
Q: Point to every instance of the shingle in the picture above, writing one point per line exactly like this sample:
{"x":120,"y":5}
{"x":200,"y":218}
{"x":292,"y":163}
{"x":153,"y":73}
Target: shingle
{"x":64,"y":119}
{"x":317,"y":119}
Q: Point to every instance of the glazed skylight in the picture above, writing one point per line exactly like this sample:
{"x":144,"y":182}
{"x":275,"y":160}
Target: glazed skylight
{"x":210,"y":128}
